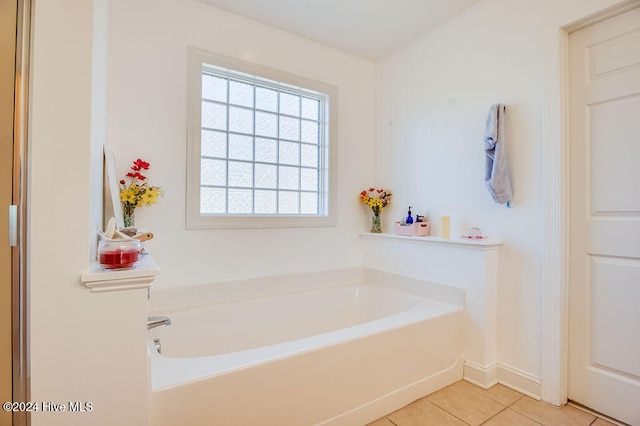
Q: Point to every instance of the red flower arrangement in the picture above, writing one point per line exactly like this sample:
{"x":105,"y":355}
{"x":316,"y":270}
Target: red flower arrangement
{"x":138,"y":192}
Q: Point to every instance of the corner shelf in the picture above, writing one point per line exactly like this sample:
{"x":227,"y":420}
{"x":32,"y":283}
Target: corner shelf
{"x":484,"y":244}
{"x":141,"y":276}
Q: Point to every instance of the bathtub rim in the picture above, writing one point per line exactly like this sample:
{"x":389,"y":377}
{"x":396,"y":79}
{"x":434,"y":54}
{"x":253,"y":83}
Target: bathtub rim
{"x":369,"y":303}
{"x":203,"y":305}
{"x":162,"y":369}
{"x":186,"y":297}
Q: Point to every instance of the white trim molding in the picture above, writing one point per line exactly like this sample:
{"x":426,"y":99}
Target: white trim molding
{"x":280,"y":81}
{"x":519,"y":380}
{"x":555,"y":285}
{"x":485,"y":377}
{"x":511,"y":377}
{"x":141,"y":276}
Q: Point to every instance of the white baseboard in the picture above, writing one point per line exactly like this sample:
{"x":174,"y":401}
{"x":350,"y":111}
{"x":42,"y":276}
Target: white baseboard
{"x":518,"y":380}
{"x":485,"y":377}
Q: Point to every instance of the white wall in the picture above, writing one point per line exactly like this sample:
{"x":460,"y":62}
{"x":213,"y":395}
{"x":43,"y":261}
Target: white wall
{"x":432,"y":100}
{"x":147,"y":119}
{"x":84,"y":347}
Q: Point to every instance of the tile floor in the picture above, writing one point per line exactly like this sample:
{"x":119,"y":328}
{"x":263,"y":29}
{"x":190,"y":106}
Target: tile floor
{"x":463,"y":404}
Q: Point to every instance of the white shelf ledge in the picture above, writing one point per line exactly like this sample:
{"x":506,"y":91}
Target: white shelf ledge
{"x":484,"y":244}
{"x":139,"y":277}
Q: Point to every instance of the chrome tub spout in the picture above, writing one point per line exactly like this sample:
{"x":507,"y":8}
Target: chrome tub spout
{"x":153,"y":322}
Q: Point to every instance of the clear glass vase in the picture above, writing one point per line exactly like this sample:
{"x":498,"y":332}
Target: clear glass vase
{"x":129,"y":215}
{"x":376,"y":228}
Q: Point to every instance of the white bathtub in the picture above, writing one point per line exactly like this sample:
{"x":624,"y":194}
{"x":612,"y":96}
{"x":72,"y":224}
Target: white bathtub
{"x":339,"y":356}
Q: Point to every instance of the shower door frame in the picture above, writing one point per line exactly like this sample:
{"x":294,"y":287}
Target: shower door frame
{"x":19,"y":277}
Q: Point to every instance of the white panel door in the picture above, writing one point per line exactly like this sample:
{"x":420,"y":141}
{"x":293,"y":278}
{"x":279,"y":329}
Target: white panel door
{"x":604,"y":291}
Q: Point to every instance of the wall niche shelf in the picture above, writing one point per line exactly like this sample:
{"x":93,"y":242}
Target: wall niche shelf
{"x":141,"y":276}
{"x":485,"y":243}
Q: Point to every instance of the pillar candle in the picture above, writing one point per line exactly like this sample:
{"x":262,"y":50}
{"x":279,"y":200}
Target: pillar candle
{"x":444,"y":226}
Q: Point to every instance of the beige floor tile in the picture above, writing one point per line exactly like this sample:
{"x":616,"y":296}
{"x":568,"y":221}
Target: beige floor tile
{"x":423,"y":413}
{"x":466,"y":403}
{"x":381,"y":422}
{"x":509,"y":417}
{"x":602,"y":422}
{"x":552,"y":416}
{"x":500,"y":394}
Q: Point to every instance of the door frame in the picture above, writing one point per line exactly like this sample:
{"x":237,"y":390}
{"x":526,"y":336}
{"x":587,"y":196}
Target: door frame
{"x":555,"y":179}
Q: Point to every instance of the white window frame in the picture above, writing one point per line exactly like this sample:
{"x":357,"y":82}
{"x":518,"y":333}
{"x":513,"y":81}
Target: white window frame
{"x":198,"y":59}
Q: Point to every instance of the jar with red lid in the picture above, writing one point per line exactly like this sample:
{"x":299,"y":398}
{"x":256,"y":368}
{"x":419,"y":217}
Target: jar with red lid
{"x":118,"y":253}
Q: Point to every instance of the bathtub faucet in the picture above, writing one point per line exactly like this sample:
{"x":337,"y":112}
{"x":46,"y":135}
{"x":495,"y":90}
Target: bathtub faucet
{"x":153,"y":322}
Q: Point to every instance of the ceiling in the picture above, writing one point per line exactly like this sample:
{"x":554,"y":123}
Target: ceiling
{"x":368,"y":28}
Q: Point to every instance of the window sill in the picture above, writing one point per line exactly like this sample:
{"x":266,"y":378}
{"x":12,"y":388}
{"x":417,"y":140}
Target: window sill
{"x":484,"y":244}
{"x":141,"y":276}
{"x":249,"y":222}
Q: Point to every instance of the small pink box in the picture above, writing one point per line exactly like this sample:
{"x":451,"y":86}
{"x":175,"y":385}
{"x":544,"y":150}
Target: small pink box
{"x":419,"y":229}
{"x":422,"y":229}
{"x":399,"y":229}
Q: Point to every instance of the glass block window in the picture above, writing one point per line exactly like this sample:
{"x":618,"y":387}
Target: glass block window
{"x":263,"y":146}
